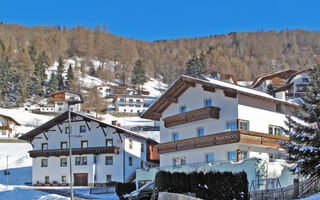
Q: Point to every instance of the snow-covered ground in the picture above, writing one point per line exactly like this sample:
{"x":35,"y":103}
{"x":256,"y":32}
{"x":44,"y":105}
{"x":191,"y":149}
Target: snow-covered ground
{"x":313,"y":197}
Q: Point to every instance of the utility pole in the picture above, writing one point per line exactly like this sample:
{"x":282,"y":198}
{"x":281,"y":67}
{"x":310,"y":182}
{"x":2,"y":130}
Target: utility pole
{"x":70,"y":149}
{"x":7,"y":172}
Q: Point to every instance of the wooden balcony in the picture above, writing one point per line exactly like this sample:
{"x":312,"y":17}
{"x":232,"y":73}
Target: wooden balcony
{"x":191,"y":116}
{"x":75,"y":151}
{"x":6,"y":128}
{"x":239,"y":136}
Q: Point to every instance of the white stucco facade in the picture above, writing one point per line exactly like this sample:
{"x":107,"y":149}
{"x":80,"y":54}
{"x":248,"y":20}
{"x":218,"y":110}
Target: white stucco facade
{"x":131,"y":155}
{"x":129,"y":103}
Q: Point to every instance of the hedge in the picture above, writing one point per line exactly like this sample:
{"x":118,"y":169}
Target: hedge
{"x":125,"y":188}
{"x":211,"y":186}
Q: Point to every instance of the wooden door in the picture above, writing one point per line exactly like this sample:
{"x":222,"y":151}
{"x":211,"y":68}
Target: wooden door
{"x":81,"y":179}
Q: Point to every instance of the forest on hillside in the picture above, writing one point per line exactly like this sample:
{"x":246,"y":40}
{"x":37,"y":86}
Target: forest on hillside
{"x":28,"y":51}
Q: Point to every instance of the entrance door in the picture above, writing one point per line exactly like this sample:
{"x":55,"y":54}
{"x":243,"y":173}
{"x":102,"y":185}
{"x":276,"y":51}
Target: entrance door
{"x":81,"y":179}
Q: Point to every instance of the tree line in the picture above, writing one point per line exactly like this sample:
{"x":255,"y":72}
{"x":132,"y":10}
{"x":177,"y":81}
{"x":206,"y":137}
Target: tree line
{"x":28,"y":51}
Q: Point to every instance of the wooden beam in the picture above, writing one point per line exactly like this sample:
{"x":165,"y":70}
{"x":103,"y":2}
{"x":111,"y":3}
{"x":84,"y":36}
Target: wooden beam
{"x":172,"y":100}
{"x":52,"y":130}
{"x":104,"y":132}
{"x":189,"y":83}
{"x":87,"y":125}
{"x":59,"y":128}
{"x":31,"y":144}
{"x":118,"y":135}
{"x":230,"y":93}
{"x":45,"y":135}
{"x":208,"y":88}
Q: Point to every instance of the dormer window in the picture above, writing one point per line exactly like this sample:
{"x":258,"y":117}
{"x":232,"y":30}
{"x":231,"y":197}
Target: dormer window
{"x":183,"y":109}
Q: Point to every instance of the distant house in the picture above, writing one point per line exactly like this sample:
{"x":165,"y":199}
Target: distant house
{"x":129,"y":103}
{"x":221,"y":76}
{"x":60,"y":99}
{"x":109,"y":90}
{"x":101,"y":152}
{"x":272,"y":80}
{"x":7,"y":126}
{"x":296,"y":84}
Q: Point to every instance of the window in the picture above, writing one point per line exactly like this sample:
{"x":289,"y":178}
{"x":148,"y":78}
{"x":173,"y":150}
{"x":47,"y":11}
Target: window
{"x":232,"y":125}
{"x":64,"y":145}
{"x":60,"y":104}
{"x":243,"y":155}
{"x":210,"y":157}
{"x":244,"y":125}
{"x":275,"y":130}
{"x":232,"y":155}
{"x":208,"y":102}
{"x":179,"y":161}
{"x":84,"y":144}
{"x":44,"y":162}
{"x":67,"y":130}
{"x":175,"y":137}
{"x":63,"y":179}
{"x":121,"y":100}
{"x":305,"y":80}
{"x":60,"y":109}
{"x":278,"y":108}
{"x":138,"y":101}
{"x":130,"y":161}
{"x":131,"y":100}
{"x":183,"y":109}
{"x":109,"y":160}
{"x":44,"y":146}
{"x":63,"y":162}
{"x":142,"y":147}
{"x":109,"y":177}
{"x":46,"y":180}
{"x":83,"y":128}
{"x":81,"y":160}
{"x":109,"y":142}
{"x":141,"y":164}
{"x":130,"y":144}
{"x":200,"y":132}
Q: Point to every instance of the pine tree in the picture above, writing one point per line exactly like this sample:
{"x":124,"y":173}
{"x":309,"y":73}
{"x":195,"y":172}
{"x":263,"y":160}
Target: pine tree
{"x":60,"y":71}
{"x":70,"y":77}
{"x":7,"y":77}
{"x":196,"y":65}
{"x":53,"y":83}
{"x":303,"y":147}
{"x":138,"y":76}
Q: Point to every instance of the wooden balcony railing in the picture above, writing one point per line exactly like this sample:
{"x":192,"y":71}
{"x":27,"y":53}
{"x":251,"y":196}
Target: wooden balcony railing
{"x":75,"y":151}
{"x":191,"y":116}
{"x":242,"y":136}
{"x":6,"y":128}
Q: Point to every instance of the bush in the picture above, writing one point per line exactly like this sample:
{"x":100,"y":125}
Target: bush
{"x":125,"y":188}
{"x":212,"y":185}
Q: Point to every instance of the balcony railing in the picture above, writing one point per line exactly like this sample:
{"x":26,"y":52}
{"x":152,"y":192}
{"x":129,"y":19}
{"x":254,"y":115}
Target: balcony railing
{"x":191,"y":116}
{"x":75,"y":151}
{"x":242,"y":136}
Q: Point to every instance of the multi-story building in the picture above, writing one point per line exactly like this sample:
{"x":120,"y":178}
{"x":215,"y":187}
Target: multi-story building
{"x":100,"y":152}
{"x":129,"y":103}
{"x":7,"y":126}
{"x":209,"y":121}
{"x":60,"y":99}
{"x":109,"y":90}
{"x":296,"y":84}
{"x":272,"y":80}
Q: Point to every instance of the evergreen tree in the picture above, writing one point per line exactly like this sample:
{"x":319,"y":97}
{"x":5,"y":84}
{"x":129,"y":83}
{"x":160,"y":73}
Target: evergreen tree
{"x":60,"y":70}
{"x":138,"y":76}
{"x":7,"y":77}
{"x":304,"y":130}
{"x":197,"y":65}
{"x":70,"y":77}
{"x":53,"y":83}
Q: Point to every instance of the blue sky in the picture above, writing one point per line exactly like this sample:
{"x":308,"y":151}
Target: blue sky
{"x":166,"y":19}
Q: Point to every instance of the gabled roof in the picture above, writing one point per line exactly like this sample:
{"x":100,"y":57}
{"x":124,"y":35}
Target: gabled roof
{"x":184,"y":82}
{"x":299,"y":72}
{"x":281,"y":74}
{"x":224,"y":75}
{"x":64,"y":116}
{"x":10,"y":119}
